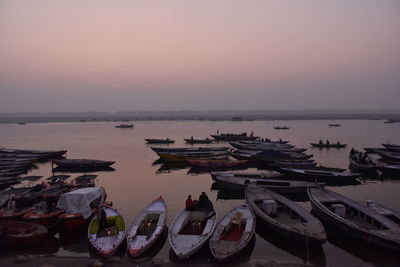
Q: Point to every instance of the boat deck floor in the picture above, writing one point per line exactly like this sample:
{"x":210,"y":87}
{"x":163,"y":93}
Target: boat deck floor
{"x":193,"y":228}
{"x":147,"y":229}
{"x":285,"y":217}
{"x":235,"y":233}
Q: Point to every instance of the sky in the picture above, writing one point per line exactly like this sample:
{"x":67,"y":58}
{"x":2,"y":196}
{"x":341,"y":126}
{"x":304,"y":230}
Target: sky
{"x":125,"y":55}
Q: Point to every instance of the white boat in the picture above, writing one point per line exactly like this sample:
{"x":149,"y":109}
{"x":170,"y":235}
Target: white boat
{"x":285,"y":216}
{"x":147,"y":227}
{"x":233,"y":233}
{"x":107,"y":241}
{"x":354,"y":219}
{"x":190,"y":230}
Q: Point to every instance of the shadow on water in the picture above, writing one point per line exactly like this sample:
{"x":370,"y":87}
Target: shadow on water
{"x":314,"y":254}
{"x":366,"y":252}
{"x":75,"y":240}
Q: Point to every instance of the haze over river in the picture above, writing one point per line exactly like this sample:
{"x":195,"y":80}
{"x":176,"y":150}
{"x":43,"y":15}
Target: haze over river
{"x":136,"y":180}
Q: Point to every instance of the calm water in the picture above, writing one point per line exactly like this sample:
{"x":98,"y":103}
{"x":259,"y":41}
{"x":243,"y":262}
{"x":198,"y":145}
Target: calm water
{"x":137,"y":181}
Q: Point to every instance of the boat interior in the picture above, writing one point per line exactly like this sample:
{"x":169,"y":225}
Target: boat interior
{"x":149,"y":224}
{"x":353,"y":215}
{"x":280,"y":212}
{"x":234,"y":230}
{"x":194,"y":224}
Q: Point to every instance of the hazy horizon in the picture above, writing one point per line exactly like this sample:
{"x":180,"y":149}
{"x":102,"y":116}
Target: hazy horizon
{"x":109,"y":56}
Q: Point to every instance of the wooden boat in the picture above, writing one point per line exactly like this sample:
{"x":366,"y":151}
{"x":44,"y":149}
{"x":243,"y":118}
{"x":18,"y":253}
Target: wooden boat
{"x":159,"y":141}
{"x":124,"y":126}
{"x":82,"y":163}
{"x":223,"y":163}
{"x":334,"y":125}
{"x":388,"y":169}
{"x":285,"y":216}
{"x":354,"y":219}
{"x":393,"y":156}
{"x":107,"y":241}
{"x":184,"y":156}
{"x":233,"y":233}
{"x":281,"y":128}
{"x":43,"y":216}
{"x":391,"y":147}
{"x":43,"y":153}
{"x":320,"y":175}
{"x":20,"y":234}
{"x":273,"y":155}
{"x":198,"y":141}
{"x":360,"y":161}
{"x":302,"y":164}
{"x":331,"y":145}
{"x":79,"y":206}
{"x":147,"y":227}
{"x":188,"y":149}
{"x":276,"y":185}
{"x":233,"y":137}
{"x":190,"y":230}
{"x":387,"y":212}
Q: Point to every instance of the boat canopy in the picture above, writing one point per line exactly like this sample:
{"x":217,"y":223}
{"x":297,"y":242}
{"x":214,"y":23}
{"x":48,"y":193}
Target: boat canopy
{"x":79,"y":201}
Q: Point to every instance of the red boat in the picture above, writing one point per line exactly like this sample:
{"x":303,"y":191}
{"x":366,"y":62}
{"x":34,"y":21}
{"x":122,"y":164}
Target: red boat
{"x":22,"y":233}
{"x":12,"y":214}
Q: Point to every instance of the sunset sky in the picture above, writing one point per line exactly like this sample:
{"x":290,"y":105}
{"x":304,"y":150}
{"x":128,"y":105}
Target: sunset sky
{"x":103,"y":55}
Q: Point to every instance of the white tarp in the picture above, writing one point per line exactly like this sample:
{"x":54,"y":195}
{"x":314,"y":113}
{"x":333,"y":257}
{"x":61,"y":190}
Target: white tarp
{"x":78,"y":201}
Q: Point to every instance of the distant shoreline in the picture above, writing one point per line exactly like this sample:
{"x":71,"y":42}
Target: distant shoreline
{"x":260,"y":115}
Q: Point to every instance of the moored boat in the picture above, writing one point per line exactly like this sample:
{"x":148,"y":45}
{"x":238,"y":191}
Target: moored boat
{"x":19,"y":234}
{"x":159,"y":141}
{"x":361,"y":162}
{"x":328,"y":145}
{"x":124,"y":126}
{"x":82,"y":163}
{"x":211,"y":164}
{"x":354,"y":219}
{"x":198,"y":141}
{"x":79,"y":206}
{"x":147,"y":227}
{"x":233,"y":233}
{"x":190,"y":230}
{"x":233,"y":137}
{"x":320,"y":175}
{"x":285,"y":216}
{"x":107,"y":234}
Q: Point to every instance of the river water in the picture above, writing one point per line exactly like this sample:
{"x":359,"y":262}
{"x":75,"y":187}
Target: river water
{"x":138,"y":179}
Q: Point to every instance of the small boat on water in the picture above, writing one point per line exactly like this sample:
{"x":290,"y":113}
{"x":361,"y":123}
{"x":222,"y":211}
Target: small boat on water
{"x":233,"y":137}
{"x":334,"y":125}
{"x":124,"y":126}
{"x":285,"y":216}
{"x":107,"y":240}
{"x":198,"y":141}
{"x":188,"y":149}
{"x":147,"y":227}
{"x":190,"y":230}
{"x":281,"y":127}
{"x":39,"y":153}
{"x":387,"y":155}
{"x":361,"y":162}
{"x":320,"y":175}
{"x":79,"y":206}
{"x":276,"y":185}
{"x":355,"y":219}
{"x":159,"y":141}
{"x":184,"y":156}
{"x":82,"y":163}
{"x":328,"y":145}
{"x":388,"y":168}
{"x":233,"y":233}
{"x":20,"y":234}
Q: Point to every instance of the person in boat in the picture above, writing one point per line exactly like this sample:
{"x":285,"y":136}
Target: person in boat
{"x":320,"y":142}
{"x":327,"y":142}
{"x":191,"y":138}
{"x":204,"y":203}
{"x":102,"y":217}
{"x":338,"y":143}
{"x":190,"y":204}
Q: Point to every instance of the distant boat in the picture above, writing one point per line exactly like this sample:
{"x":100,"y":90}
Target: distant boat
{"x":281,"y":128}
{"x":392,"y":148}
{"x":22,"y":123}
{"x":233,"y":137}
{"x":159,"y":141}
{"x":218,"y":163}
{"x":124,"y":126}
{"x":320,"y":175}
{"x":198,"y":141}
{"x":82,"y":163}
{"x":334,"y":125}
{"x":328,"y":145}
